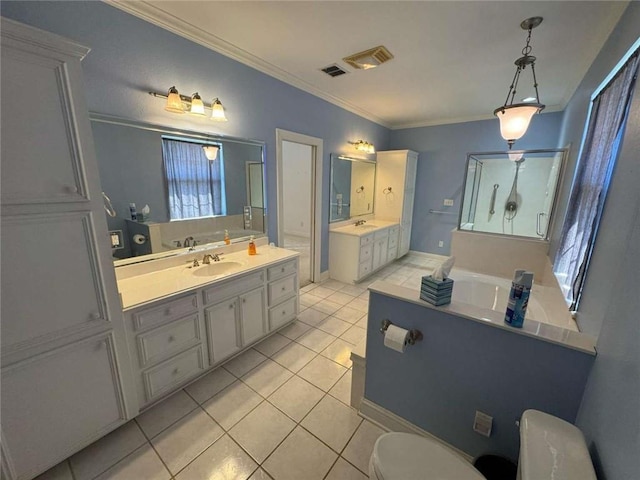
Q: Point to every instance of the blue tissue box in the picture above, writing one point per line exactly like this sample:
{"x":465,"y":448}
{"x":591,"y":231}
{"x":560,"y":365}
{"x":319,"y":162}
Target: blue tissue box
{"x":436,"y":292}
{"x":438,"y":285}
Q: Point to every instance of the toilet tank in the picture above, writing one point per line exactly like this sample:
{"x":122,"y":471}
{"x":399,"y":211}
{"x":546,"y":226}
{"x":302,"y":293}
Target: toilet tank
{"x":551,"y":448}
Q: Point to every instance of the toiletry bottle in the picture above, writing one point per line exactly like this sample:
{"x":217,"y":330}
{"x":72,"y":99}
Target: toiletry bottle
{"x":227,"y":239}
{"x":252,"y":246}
{"x":132,"y":212}
{"x":518,"y":298}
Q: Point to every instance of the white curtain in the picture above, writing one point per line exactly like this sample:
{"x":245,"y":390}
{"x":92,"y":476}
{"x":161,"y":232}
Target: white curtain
{"x":193,"y":181}
{"x":593,"y":174}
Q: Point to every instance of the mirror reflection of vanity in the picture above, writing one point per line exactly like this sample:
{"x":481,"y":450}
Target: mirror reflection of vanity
{"x":352,"y":187}
{"x":133,"y":171}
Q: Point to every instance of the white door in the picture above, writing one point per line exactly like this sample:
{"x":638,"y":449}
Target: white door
{"x":299,"y":192}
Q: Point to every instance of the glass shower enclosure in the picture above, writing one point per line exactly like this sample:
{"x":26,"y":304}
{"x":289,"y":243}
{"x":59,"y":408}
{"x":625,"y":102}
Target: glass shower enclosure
{"x":511,"y":193}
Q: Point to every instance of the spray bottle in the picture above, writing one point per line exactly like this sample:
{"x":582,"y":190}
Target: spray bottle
{"x":518,"y":298}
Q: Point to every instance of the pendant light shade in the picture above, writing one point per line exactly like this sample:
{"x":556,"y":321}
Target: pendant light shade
{"x":211,"y":151}
{"x":174,"y":102}
{"x":197,"y":107}
{"x":515,"y":119}
{"x":217,"y":111}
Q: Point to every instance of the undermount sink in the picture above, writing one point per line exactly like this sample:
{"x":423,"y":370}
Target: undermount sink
{"x":366,"y":226}
{"x":216,"y":268}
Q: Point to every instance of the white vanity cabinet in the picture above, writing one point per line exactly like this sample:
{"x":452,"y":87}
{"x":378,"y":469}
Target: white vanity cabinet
{"x":354,"y":255}
{"x":237,"y":317}
{"x":395,"y":191}
{"x":174,"y":340}
{"x":66,"y":379}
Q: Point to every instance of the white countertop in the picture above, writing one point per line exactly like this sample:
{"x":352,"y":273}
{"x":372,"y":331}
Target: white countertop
{"x":148,"y":287}
{"x":371,"y":226}
{"x":531,"y":328}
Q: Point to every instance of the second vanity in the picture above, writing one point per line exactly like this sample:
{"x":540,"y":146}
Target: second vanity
{"x":357,"y":251}
{"x":182,"y":320}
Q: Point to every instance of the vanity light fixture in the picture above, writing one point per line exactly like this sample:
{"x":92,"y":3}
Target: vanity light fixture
{"x":177,"y":103}
{"x":363,"y":146}
{"x":515,"y":117}
{"x":211,"y":151}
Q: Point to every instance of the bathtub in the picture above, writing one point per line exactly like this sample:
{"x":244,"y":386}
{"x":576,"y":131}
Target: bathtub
{"x":492,"y":293}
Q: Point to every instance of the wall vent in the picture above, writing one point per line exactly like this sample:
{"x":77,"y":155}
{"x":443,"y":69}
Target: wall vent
{"x":369,"y":58}
{"x":334,"y":70}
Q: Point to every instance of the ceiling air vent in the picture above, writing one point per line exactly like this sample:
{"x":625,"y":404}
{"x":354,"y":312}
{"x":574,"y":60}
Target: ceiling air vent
{"x":369,"y":58}
{"x":333,"y":70}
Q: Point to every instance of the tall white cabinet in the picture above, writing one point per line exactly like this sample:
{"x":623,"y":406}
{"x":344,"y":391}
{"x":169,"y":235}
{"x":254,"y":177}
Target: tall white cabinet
{"x":65,"y":366}
{"x":395,"y":191}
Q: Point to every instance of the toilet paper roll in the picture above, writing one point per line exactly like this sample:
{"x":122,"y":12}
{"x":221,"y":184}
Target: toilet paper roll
{"x":139,"y":239}
{"x":396,"y":338}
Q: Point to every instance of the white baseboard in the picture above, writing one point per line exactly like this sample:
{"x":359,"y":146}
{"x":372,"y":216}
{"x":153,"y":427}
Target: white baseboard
{"x":324,"y":276}
{"x":391,"y":422}
{"x":433,"y":256}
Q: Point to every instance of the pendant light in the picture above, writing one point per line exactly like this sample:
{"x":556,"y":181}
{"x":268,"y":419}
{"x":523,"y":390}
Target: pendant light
{"x":211,"y":151}
{"x":174,"y":102}
{"x":515,"y":117}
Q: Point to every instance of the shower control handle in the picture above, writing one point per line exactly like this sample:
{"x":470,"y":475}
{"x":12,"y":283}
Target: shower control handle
{"x":492,"y":207}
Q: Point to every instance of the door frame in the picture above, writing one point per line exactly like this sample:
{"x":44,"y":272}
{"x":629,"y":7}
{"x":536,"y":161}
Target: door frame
{"x":316,"y":203}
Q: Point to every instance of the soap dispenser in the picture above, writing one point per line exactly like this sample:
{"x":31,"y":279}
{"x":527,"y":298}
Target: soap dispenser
{"x":227,"y":239}
{"x":252,"y":246}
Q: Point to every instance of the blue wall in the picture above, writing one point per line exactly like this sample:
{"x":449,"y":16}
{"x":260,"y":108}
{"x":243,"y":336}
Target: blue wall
{"x":462,"y":366}
{"x":443,"y":154}
{"x":130,"y":57}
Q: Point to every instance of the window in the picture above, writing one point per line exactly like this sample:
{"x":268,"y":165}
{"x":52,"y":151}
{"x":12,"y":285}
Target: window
{"x":605,"y":128}
{"x":195,"y":184}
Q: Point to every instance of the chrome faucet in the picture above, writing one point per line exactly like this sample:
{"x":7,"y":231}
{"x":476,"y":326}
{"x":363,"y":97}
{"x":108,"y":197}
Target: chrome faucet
{"x":360,"y":222}
{"x":208,"y":257}
{"x":187,"y":241}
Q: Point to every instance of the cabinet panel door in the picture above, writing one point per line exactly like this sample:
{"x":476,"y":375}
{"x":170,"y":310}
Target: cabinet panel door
{"x":252,"y":314}
{"x":58,"y":402}
{"x":51,"y":273}
{"x":40,"y":148}
{"x":223,"y":330}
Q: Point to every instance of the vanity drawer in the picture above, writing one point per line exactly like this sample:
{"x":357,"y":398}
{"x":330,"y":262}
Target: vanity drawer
{"x":168,"y":375}
{"x":282,"y":270}
{"x":366,"y":240}
{"x":364,"y":269}
{"x":162,"y":342}
{"x":233,"y":287}
{"x":393,"y":241}
{"x":379,"y":235}
{"x":393,"y":232}
{"x":282,"y":289}
{"x":365,"y":252}
{"x":281,"y":314}
{"x":165,"y":312}
{"x":393,"y":253}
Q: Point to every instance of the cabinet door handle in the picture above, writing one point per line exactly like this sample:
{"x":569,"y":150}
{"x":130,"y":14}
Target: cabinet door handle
{"x":231,"y":306}
{"x":171,"y":339}
{"x":244,"y":300}
{"x":194,"y":302}
{"x":284,"y":312}
{"x":176,"y":371}
{"x":71,"y":189}
{"x":94,"y":316}
{"x":282,"y":270}
{"x":167,"y":311}
{"x":284,"y":288}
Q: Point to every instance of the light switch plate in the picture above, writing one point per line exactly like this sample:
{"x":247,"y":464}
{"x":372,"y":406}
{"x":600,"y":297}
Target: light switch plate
{"x":483,"y":424}
{"x":448,"y":202}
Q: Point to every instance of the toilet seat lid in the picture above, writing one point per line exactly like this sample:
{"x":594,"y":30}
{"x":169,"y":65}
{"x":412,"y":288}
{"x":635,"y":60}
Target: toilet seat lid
{"x":405,"y":456}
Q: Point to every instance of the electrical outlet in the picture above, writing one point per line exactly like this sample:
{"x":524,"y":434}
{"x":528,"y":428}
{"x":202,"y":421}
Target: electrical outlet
{"x":448,"y":202}
{"x":482,"y":424}
{"x":441,"y":244}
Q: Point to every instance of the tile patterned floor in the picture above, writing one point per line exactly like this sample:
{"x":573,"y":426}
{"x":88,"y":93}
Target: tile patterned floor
{"x":278,"y":411}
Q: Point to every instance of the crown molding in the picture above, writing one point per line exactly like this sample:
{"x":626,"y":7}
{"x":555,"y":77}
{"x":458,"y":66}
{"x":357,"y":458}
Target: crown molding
{"x":152,"y":14}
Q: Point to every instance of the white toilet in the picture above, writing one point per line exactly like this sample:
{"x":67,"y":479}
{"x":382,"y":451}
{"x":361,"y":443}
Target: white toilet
{"x":550,"y":448}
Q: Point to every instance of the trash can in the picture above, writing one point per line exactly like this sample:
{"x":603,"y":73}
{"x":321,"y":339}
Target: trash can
{"x":495,"y":467}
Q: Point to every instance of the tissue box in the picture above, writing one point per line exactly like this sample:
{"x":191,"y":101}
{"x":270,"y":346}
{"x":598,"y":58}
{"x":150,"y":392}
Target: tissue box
{"x":436,"y":292}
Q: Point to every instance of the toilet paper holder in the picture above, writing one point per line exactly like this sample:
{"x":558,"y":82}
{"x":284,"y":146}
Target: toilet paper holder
{"x":414,"y":335}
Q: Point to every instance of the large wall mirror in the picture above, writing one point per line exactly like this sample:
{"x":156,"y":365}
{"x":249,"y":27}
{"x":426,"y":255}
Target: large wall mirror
{"x":511,"y":193}
{"x":192,"y":193}
{"x":352,"y":187}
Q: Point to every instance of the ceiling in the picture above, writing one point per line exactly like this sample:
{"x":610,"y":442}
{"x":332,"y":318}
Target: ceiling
{"x":453,"y":59}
